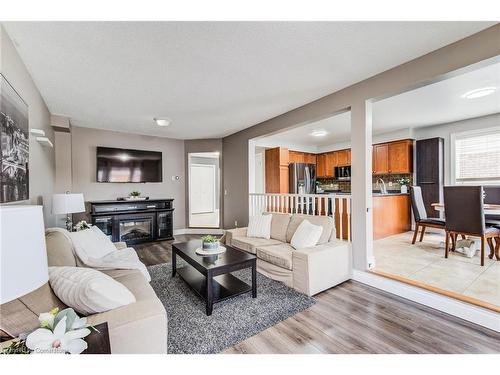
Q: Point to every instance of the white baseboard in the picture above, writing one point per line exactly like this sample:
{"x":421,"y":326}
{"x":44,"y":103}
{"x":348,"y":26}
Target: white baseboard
{"x":198,"y":231}
{"x":463,"y":310}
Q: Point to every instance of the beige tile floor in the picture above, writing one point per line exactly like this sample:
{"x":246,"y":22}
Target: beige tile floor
{"x":425,"y":262}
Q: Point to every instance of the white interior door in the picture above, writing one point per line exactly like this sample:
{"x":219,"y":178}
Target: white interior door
{"x":202,"y":188}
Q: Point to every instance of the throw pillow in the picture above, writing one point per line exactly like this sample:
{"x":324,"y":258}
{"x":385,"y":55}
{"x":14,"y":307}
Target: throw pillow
{"x":306,"y":235}
{"x":92,"y":242}
{"x":88,"y":291}
{"x":260,"y":226}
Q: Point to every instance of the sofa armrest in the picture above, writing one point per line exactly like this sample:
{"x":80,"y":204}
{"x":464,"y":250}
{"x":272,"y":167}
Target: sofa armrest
{"x":120,"y":245}
{"x":237,"y":232}
{"x":321,"y":267}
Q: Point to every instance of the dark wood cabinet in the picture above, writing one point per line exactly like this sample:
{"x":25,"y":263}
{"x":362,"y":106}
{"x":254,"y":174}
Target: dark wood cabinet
{"x":430,"y":172}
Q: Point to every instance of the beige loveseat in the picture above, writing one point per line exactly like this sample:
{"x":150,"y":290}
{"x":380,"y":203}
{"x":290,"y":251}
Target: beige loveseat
{"x":140,"y":327}
{"x":310,"y":270}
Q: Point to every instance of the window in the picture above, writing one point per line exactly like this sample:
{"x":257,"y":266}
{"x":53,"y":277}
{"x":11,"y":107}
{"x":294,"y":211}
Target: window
{"x":476,"y":156}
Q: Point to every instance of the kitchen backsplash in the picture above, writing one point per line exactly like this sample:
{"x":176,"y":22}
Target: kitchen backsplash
{"x":345,"y":186}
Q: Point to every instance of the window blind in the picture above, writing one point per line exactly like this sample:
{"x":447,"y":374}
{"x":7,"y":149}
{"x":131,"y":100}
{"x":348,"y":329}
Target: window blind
{"x":477,"y":157}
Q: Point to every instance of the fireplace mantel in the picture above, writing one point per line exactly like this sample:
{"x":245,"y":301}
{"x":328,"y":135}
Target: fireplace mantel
{"x":134,"y":221}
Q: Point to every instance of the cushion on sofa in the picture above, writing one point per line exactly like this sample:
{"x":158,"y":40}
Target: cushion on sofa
{"x":88,"y":291}
{"x":59,"y":249}
{"x":325,"y":221}
{"x":279,"y":255}
{"x":250,"y":243}
{"x":306,"y":235}
{"x":279,"y":225}
{"x":259,"y":226}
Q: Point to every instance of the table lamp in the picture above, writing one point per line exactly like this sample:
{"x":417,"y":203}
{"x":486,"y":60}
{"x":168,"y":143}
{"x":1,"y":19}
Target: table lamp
{"x":23,"y":256}
{"x":67,"y":204}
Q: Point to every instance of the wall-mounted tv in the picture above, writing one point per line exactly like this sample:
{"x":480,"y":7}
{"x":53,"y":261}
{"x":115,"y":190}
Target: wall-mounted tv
{"x":122,"y":165}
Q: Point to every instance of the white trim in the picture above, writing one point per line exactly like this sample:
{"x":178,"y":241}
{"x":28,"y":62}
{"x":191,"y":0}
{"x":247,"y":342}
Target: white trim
{"x":463,"y":310}
{"x":198,"y":231}
{"x":453,"y":160}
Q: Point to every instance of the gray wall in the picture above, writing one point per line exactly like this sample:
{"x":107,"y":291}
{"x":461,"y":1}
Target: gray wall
{"x":445,"y":131}
{"x":83,"y":147}
{"x":204,"y":145}
{"x":445,"y":62}
{"x":41,"y":160}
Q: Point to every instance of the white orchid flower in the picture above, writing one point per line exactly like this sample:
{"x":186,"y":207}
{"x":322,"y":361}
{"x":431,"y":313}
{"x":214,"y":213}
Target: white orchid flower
{"x":79,"y":323}
{"x":44,"y":341}
{"x":46,"y":320}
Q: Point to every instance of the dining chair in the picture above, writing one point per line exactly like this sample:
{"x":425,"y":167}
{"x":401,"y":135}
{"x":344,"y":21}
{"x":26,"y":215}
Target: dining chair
{"x":464,"y":208}
{"x":420,"y":214}
{"x":492,"y":196}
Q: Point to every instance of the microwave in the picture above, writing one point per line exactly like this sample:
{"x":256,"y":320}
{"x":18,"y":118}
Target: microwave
{"x":343,"y":173}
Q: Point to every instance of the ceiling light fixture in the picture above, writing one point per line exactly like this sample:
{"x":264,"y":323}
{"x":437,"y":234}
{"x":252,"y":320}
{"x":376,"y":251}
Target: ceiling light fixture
{"x":162,"y":121}
{"x":479,"y":93}
{"x":319,"y":133}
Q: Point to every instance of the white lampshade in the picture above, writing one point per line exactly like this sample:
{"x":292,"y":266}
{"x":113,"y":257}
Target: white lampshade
{"x":67,"y":203}
{"x":23,"y":256}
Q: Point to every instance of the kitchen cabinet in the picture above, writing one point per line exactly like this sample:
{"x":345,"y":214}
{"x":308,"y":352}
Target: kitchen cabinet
{"x":401,"y":157}
{"x":296,"y":157}
{"x":277,"y":160}
{"x":391,"y":215}
{"x":321,"y":165}
{"x":393,"y":157}
{"x":380,"y":159}
{"x":301,"y":157}
{"x":331,"y":163}
{"x":343,"y":157}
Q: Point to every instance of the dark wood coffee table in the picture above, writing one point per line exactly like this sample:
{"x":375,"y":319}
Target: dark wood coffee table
{"x":210,"y":277}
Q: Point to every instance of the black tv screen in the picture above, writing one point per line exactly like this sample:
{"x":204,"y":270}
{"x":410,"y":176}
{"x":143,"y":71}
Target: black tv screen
{"x":122,"y":165}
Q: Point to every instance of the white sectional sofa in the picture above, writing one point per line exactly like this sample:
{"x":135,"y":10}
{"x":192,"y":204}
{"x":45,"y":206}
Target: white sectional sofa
{"x":309,"y":270}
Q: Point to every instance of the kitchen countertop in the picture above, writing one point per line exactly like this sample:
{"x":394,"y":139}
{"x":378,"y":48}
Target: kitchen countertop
{"x":375,"y":194}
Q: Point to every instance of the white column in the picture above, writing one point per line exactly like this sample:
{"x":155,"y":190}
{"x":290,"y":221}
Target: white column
{"x":361,"y":184}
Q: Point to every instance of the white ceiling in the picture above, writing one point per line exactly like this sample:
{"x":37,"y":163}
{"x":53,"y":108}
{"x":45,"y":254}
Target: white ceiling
{"x":210,"y":78}
{"x":434,"y":104}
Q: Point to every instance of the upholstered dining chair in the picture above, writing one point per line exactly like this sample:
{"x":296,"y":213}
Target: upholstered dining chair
{"x":420,"y":214}
{"x":492,"y":196}
{"x":464,"y":209}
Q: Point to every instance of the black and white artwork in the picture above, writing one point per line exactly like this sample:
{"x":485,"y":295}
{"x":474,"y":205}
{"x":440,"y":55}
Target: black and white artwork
{"x":14,"y":139}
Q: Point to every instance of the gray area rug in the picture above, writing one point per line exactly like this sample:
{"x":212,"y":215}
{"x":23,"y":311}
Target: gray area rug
{"x":232,"y":320}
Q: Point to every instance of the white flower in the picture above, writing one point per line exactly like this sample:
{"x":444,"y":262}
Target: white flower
{"x":79,"y":323}
{"x":44,"y":341}
{"x":46,"y":320}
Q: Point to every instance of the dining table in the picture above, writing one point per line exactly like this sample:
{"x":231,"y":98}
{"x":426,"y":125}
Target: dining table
{"x":489,"y":209}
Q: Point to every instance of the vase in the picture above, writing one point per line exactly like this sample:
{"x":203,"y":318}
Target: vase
{"x":404,"y":189}
{"x":211,"y":246}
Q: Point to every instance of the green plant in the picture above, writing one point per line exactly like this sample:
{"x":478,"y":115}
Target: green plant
{"x":403,"y":181}
{"x":209,"y":238}
{"x":135,"y":193}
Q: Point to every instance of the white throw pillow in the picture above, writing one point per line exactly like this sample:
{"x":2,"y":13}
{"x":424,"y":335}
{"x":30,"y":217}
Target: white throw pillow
{"x":306,"y":235}
{"x":260,"y":226}
{"x":88,"y":291}
{"x":92,"y":242}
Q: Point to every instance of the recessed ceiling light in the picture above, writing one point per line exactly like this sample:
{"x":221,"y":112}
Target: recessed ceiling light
{"x":162,"y":121}
{"x":319,"y":133}
{"x":479,"y":93}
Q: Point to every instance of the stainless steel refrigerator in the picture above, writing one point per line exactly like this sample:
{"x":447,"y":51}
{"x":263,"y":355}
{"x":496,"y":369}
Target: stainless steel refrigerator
{"x":302,"y":178}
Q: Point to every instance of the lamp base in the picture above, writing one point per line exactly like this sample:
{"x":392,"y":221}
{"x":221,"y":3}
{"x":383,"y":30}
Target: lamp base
{"x":69,"y":223}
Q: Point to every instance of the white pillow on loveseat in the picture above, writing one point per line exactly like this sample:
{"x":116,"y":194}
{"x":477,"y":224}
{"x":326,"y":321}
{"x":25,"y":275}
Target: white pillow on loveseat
{"x":259,"y":226}
{"x":88,"y":291}
{"x":306,"y":235}
{"x":92,"y":242}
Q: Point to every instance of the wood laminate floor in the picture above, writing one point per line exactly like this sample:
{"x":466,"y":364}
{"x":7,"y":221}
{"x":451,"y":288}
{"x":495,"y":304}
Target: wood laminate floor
{"x":355,"y":318}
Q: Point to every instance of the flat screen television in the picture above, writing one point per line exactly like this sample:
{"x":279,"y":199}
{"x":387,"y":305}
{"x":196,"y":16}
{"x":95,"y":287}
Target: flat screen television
{"x":122,"y":165}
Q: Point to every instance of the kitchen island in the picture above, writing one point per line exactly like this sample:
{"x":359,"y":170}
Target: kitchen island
{"x":391,"y":214}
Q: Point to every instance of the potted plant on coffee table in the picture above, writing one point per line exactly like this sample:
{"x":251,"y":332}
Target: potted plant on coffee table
{"x":210,"y":243}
